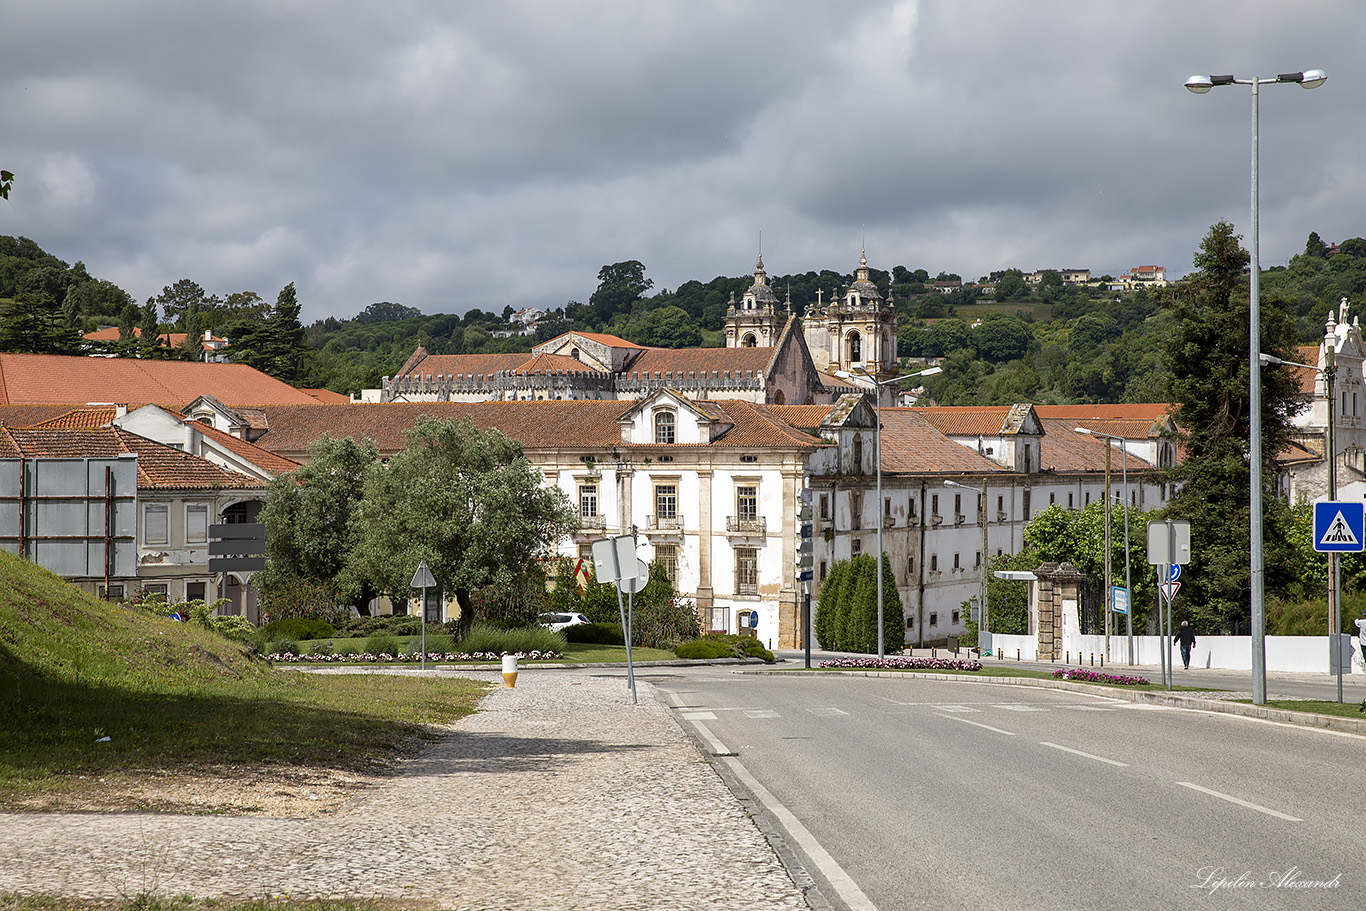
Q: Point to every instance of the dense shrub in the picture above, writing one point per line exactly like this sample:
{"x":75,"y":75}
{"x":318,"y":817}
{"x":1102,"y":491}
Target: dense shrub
{"x":306,"y":600}
{"x":705,"y":648}
{"x":282,"y":647}
{"x":723,"y":645}
{"x":485,"y":637}
{"x":438,"y":642}
{"x":393,"y":625}
{"x":659,"y":619}
{"x":299,"y":628}
{"x":511,"y":606}
{"x":381,"y":645}
{"x":238,"y":629}
{"x":595,"y":633}
{"x":846,"y":611}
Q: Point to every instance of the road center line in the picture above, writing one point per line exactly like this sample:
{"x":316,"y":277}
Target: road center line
{"x":839,"y":880}
{"x":975,"y":724}
{"x":1057,"y":746}
{"x":1241,"y":803}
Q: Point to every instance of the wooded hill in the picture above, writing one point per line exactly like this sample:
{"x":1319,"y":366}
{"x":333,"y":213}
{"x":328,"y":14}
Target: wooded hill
{"x":1047,"y":343}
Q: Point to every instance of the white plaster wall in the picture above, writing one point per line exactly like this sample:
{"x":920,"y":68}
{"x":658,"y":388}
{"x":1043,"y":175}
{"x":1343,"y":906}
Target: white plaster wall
{"x":1305,"y":654}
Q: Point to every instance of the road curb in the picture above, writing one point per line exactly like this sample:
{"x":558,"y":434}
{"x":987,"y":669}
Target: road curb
{"x":1175,"y":700}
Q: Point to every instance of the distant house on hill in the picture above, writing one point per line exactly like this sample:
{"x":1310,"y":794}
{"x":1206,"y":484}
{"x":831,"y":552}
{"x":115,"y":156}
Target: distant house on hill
{"x":213,"y":345}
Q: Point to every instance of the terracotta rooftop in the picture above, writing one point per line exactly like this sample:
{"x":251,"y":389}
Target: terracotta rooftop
{"x":803,"y":417}
{"x":327,"y":396}
{"x":90,"y":416}
{"x":685,"y":361}
{"x":259,"y":456}
{"x":160,"y":467}
{"x":912,"y":444}
{"x":602,"y":338}
{"x":30,"y":379}
{"x":967,"y":420}
{"x":464,"y":364}
{"x":1068,"y":451}
{"x":32,"y":415}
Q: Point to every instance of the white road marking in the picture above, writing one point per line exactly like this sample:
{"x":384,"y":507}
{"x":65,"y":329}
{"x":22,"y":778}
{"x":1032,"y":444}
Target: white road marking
{"x":1020,"y":708}
{"x":698,"y":716}
{"x":830,"y":712}
{"x":760,"y":713}
{"x":717,"y":747}
{"x":1057,"y":746}
{"x":839,"y":880}
{"x":977,"y":724}
{"x":1087,"y":708}
{"x":1241,"y":803}
{"x":955,"y":708}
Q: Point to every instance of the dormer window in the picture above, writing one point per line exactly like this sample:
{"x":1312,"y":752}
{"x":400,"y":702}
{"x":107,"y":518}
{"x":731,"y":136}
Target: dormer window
{"x":664,"y":427}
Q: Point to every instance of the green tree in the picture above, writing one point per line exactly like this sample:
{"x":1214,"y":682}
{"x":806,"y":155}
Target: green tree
{"x":179,"y":299}
{"x":1315,"y":246}
{"x":1208,"y":359}
{"x":1001,"y":337}
{"x":828,"y":605}
{"x":466,"y":501}
{"x":6,"y":181}
{"x":279,"y":345}
{"x":309,"y":515}
{"x":619,"y":287}
{"x":33,"y":323}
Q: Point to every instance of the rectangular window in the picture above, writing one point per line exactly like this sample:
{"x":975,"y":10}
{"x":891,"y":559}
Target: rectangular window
{"x":112,"y":593}
{"x":887,"y":506}
{"x":855,"y":510}
{"x":978,"y":563}
{"x":825,"y":570}
{"x":154,"y":528}
{"x":666,"y":555}
{"x":586,"y":554}
{"x":588,"y":501}
{"x":1088,"y":498}
{"x":1052,"y":499}
{"x":910,"y":623}
{"x":956,"y":616}
{"x":956,"y":562}
{"x":156,"y":591}
{"x":1000,"y":504}
{"x":825,"y":506}
{"x":1071,"y":504}
{"x":666,"y":501}
{"x":958,"y":504}
{"x":747,"y":502}
{"x":746,"y":570}
{"x":857,"y":467}
{"x":1025,"y":510}
{"x":194,"y":591}
{"x":196,"y":524}
{"x":934,"y":619}
{"x":934,"y":504}
{"x":856,"y":546}
{"x":910,"y":567}
{"x":934,"y":563}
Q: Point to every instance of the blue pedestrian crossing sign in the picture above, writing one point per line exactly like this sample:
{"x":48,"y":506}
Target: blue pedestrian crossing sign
{"x":1338,"y":526}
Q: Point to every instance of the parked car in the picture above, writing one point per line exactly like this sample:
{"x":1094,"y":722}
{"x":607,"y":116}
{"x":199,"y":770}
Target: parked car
{"x":560,"y":621}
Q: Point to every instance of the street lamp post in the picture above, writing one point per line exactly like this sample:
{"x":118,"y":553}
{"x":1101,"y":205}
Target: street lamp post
{"x":984,"y":637}
{"x":877,"y":449}
{"x":1309,"y":79}
{"x":1128,"y":590}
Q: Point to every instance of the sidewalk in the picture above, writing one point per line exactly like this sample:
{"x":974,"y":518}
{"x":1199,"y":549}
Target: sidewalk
{"x":558,"y":794}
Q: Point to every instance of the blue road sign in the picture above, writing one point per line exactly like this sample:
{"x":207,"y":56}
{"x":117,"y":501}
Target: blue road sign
{"x":1338,"y":526}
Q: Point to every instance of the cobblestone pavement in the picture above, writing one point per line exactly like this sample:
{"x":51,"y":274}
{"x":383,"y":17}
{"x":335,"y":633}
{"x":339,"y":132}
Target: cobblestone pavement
{"x":559,"y":794}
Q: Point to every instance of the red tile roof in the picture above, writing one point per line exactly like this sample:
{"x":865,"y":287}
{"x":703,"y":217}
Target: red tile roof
{"x":602,"y":338}
{"x":96,"y":416}
{"x":466,"y":364}
{"x":259,"y":456}
{"x":28,"y":379}
{"x":327,"y":396}
{"x":912,"y":444}
{"x":1068,"y":451}
{"x":685,"y":361}
{"x":967,"y":420}
{"x":160,"y":467}
{"x":32,"y":415}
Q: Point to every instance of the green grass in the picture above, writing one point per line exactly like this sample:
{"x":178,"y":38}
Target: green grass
{"x":74,"y":670}
{"x":595,"y":653}
{"x":1317,"y":706}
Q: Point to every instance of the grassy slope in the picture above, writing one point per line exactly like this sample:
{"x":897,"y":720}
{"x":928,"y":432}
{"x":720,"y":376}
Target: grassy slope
{"x":74,"y":669}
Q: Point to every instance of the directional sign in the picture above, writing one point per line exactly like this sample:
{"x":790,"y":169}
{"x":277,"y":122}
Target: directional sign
{"x":237,"y":548}
{"x":1119,"y":600}
{"x":1338,"y":526}
{"x":1169,"y":542}
{"x":1173,"y":572}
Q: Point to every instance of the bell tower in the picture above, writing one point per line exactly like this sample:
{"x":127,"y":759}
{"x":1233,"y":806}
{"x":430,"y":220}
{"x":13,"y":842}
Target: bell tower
{"x":755,"y":322}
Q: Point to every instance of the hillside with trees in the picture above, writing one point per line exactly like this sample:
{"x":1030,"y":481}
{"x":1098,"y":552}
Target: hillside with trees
{"x":1047,"y":342}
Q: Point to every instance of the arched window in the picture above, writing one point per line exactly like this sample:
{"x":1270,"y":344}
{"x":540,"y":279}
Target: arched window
{"x":855,"y":347}
{"x":575,"y":354}
{"x":664,"y":427}
{"x":749,"y":341}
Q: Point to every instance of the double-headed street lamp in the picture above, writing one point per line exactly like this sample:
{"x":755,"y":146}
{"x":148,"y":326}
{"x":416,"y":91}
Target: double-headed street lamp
{"x":1109,"y":587}
{"x":984,"y":633}
{"x":877,"y":449}
{"x":1309,"y":79}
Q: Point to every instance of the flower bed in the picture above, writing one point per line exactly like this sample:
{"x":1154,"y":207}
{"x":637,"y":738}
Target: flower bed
{"x":901,"y":663}
{"x":1086,"y":676}
{"x":386,"y":658}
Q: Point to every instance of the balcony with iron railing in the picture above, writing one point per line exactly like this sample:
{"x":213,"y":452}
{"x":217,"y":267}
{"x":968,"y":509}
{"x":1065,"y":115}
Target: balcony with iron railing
{"x":664,"y":523}
{"x":592,"y":522}
{"x":746,"y":525}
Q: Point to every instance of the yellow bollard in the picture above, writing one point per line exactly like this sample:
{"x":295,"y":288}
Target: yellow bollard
{"x":510,"y":671}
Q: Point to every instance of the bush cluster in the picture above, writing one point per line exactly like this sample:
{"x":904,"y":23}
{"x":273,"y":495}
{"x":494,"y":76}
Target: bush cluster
{"x":298,"y":628}
{"x":595,"y":633}
{"x":1089,"y":676}
{"x":723,"y":645}
{"x":486,"y":637}
{"x":392,"y":624}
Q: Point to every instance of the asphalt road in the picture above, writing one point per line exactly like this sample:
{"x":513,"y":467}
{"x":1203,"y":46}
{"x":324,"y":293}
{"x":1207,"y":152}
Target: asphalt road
{"x":912,"y":793}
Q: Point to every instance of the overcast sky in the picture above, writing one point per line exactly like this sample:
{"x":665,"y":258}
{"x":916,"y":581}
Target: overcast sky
{"x":448,"y":155}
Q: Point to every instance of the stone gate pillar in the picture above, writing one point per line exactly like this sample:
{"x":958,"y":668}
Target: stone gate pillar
{"x":1053,"y":608}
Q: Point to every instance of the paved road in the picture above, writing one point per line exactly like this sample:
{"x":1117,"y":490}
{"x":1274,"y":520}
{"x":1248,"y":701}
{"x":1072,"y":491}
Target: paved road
{"x":909,"y":793}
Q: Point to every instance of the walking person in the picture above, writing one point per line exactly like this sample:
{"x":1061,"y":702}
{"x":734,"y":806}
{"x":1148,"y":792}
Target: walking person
{"x":1361,"y":635}
{"x":1186,"y":636}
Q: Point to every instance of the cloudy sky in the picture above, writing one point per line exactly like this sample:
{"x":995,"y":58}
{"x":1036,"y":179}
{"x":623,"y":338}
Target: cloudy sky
{"x":449,"y":155}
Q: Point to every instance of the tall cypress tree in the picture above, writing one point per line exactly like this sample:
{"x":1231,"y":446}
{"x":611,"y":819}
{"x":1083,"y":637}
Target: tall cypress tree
{"x":1209,"y":361}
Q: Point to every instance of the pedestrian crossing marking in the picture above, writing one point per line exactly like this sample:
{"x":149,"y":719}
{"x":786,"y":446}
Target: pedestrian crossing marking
{"x":1339,"y":532}
{"x":955,"y":708}
{"x":760,"y":713}
{"x":1088,"y":708}
{"x":827,"y":712}
{"x":1020,"y":708}
{"x":699,"y":716}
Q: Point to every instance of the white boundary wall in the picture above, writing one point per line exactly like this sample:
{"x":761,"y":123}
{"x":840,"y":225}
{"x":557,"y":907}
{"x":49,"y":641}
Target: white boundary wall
{"x":1283,"y":653}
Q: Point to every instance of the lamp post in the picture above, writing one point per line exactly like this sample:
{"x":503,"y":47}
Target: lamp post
{"x":877,"y":449}
{"x":1128,"y":591}
{"x":983,"y":640}
{"x":1309,"y":79}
